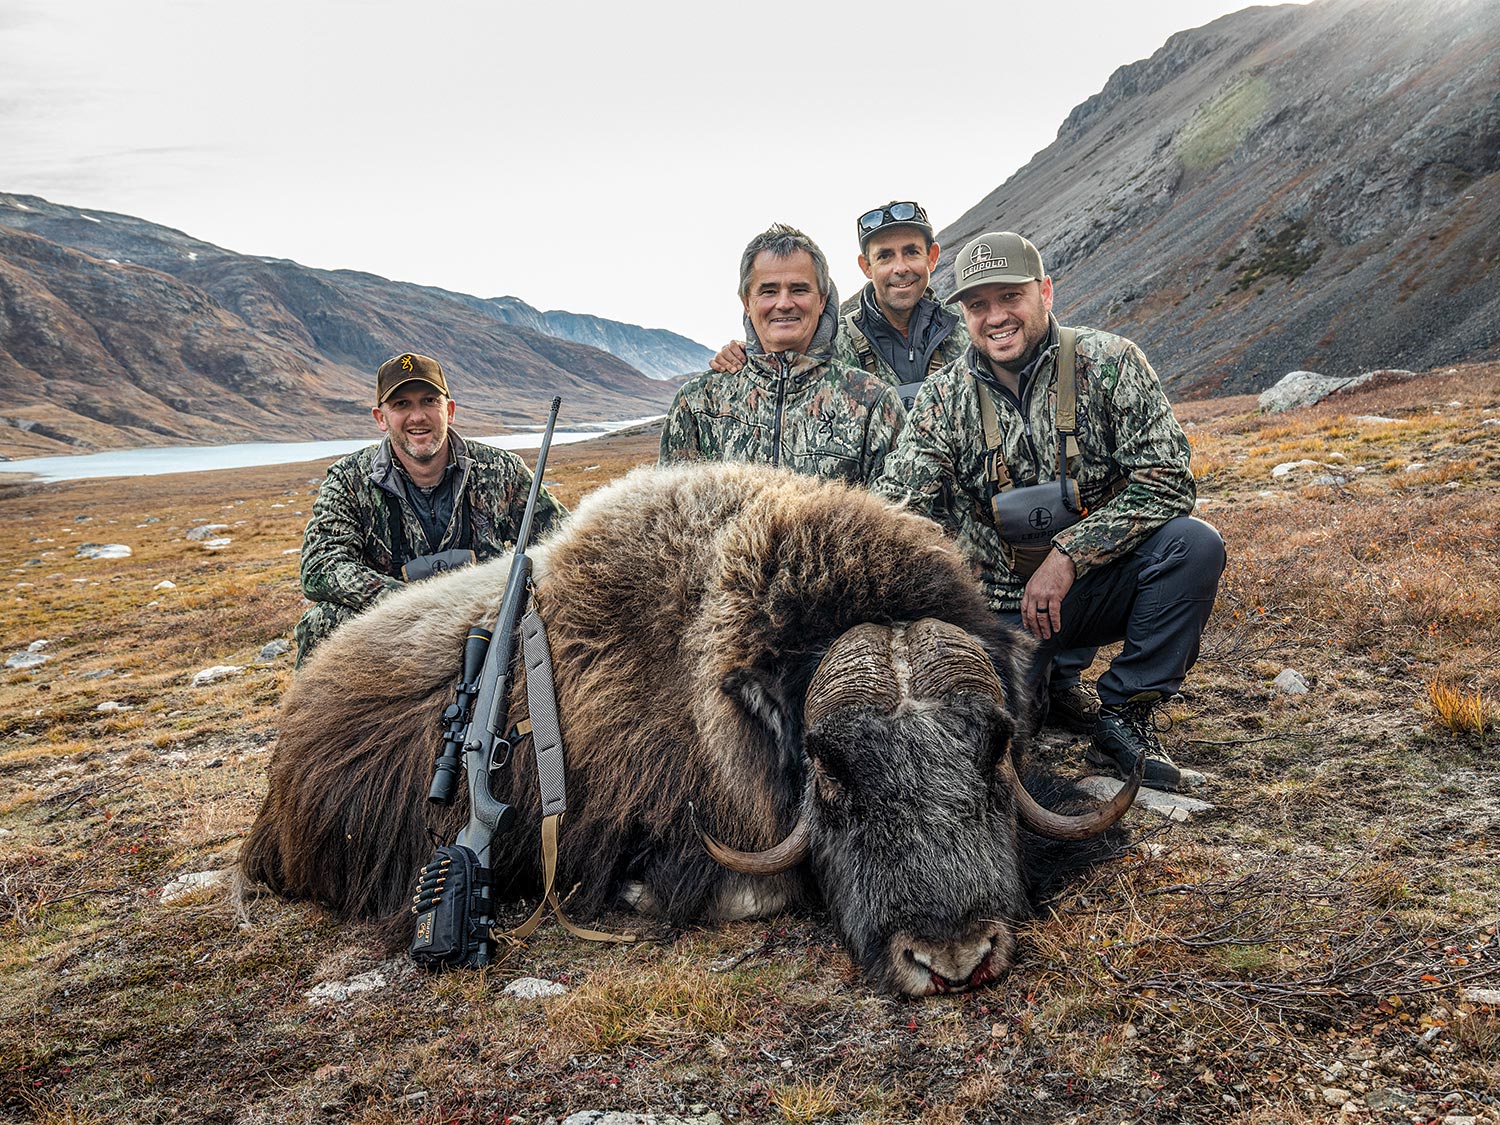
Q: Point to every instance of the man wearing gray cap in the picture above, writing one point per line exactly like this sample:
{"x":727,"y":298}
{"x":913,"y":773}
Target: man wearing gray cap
{"x":1071,"y":493}
{"x":422,"y":501}
{"x":896,"y":329}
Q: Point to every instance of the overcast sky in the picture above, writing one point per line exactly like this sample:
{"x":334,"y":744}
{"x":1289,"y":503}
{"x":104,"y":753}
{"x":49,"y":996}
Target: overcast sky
{"x":603,"y":159}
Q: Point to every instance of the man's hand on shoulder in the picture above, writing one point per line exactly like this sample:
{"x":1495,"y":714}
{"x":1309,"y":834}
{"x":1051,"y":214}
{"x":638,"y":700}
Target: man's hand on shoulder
{"x":1041,"y":604}
{"x":730,"y":358}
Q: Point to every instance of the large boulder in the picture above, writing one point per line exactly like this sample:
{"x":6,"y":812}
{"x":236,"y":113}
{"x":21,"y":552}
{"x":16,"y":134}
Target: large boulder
{"x":1304,"y":388}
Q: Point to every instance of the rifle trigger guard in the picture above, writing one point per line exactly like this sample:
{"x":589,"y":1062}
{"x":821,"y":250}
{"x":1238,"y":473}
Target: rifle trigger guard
{"x":499,"y":755}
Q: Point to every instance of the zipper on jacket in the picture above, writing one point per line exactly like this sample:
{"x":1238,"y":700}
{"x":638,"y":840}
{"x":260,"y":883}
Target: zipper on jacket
{"x":780,"y":401}
{"x":1025,"y":407}
{"x":1020,"y":407}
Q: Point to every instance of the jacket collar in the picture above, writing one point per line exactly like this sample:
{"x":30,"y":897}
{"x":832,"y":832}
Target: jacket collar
{"x":868,"y":305}
{"x":981,"y":367}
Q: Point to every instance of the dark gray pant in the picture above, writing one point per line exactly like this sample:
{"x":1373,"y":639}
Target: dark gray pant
{"x":1156,"y":599}
{"x":1068,"y":666}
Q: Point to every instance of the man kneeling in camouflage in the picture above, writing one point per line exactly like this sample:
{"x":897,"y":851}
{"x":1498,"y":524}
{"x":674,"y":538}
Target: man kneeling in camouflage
{"x":422,"y":501}
{"x":1121,"y":558}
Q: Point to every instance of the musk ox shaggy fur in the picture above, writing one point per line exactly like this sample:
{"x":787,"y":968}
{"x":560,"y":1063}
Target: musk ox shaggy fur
{"x":710,"y":628}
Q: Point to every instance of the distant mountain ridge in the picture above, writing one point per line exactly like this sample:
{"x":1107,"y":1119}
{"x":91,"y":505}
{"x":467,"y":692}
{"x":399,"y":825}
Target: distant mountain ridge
{"x":1286,"y":187}
{"x":652,"y":351}
{"x":115,"y":331}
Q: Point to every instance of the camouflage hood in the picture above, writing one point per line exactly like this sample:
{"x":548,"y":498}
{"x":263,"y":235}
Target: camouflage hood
{"x":803,"y":412}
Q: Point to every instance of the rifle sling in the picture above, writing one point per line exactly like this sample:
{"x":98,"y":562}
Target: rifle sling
{"x":541,"y":706}
{"x":546,"y":739}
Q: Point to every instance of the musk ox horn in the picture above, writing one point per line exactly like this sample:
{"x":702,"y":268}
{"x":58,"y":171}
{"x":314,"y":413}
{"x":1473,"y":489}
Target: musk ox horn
{"x":773,"y":861}
{"x":1059,"y":826}
{"x":858,"y":670}
{"x":855,"y":672}
{"x":946,"y":659}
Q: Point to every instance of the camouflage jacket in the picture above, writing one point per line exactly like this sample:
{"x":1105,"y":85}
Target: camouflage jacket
{"x":800,"y":411}
{"x":851,"y":348}
{"x":1126,"y":431}
{"x":363,"y":528}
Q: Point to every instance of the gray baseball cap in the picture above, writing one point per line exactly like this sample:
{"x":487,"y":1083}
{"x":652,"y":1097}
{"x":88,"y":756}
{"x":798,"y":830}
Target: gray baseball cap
{"x":1002,"y":257}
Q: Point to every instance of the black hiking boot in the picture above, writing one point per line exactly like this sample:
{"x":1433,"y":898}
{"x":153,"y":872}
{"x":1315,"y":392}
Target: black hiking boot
{"x":1121,"y":735}
{"x":1072,"y":708}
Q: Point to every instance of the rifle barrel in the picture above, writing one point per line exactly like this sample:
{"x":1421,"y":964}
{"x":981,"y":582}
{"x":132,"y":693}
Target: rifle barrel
{"x":524,"y":535}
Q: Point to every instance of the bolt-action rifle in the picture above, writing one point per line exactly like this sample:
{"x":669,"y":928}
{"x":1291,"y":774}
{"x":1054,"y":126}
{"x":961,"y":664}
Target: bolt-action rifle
{"x":452,"y":901}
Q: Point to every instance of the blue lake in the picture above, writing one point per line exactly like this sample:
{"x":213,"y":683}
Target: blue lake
{"x":199,"y":458}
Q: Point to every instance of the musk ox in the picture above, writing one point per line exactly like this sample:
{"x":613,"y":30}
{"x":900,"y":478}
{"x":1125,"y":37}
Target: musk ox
{"x":809,"y":667}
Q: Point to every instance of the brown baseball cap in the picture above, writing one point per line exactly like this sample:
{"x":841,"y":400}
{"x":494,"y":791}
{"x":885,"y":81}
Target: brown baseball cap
{"x":408,"y":367}
{"x":1002,"y":257}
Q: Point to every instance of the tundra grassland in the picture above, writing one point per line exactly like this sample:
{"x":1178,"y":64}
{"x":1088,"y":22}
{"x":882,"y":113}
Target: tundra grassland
{"x":1322,"y":946}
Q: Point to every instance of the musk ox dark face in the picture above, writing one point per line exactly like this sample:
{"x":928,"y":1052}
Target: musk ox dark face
{"x":913,"y":842}
{"x":911,"y":807}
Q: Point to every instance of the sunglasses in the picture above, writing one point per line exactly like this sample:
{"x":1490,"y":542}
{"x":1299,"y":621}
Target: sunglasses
{"x":872,"y":221}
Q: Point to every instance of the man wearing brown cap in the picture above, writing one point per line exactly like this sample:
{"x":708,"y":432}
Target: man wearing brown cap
{"x":422,"y":501}
{"x":1071,"y":493}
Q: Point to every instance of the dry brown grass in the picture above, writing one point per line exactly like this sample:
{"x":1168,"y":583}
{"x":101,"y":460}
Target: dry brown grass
{"x":805,"y":1101}
{"x":1322,"y":922}
{"x":665,"y":1005}
{"x":1462,"y":712}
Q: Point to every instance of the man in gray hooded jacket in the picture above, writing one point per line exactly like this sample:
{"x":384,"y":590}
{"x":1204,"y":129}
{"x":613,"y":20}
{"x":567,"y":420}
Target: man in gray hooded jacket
{"x":789,"y":405}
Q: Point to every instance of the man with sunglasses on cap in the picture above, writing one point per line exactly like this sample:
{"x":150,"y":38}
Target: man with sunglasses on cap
{"x":1073,"y":507}
{"x":420,"y":502}
{"x":790,"y":404}
{"x":895,"y":327}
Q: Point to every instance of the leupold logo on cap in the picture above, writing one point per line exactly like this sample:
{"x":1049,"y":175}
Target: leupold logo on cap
{"x":982,"y":258}
{"x":406,"y":363}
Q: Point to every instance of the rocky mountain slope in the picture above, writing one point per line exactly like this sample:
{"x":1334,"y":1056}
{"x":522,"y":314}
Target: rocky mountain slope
{"x":118,"y":332}
{"x":1286,"y":187}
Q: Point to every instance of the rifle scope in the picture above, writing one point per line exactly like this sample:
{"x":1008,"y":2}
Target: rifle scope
{"x":456,"y":717}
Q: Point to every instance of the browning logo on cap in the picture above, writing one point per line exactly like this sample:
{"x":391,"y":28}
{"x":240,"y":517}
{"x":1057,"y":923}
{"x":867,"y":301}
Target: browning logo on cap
{"x":409,"y":367}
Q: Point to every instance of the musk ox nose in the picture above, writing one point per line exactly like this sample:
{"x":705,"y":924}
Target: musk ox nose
{"x":923,"y":966}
